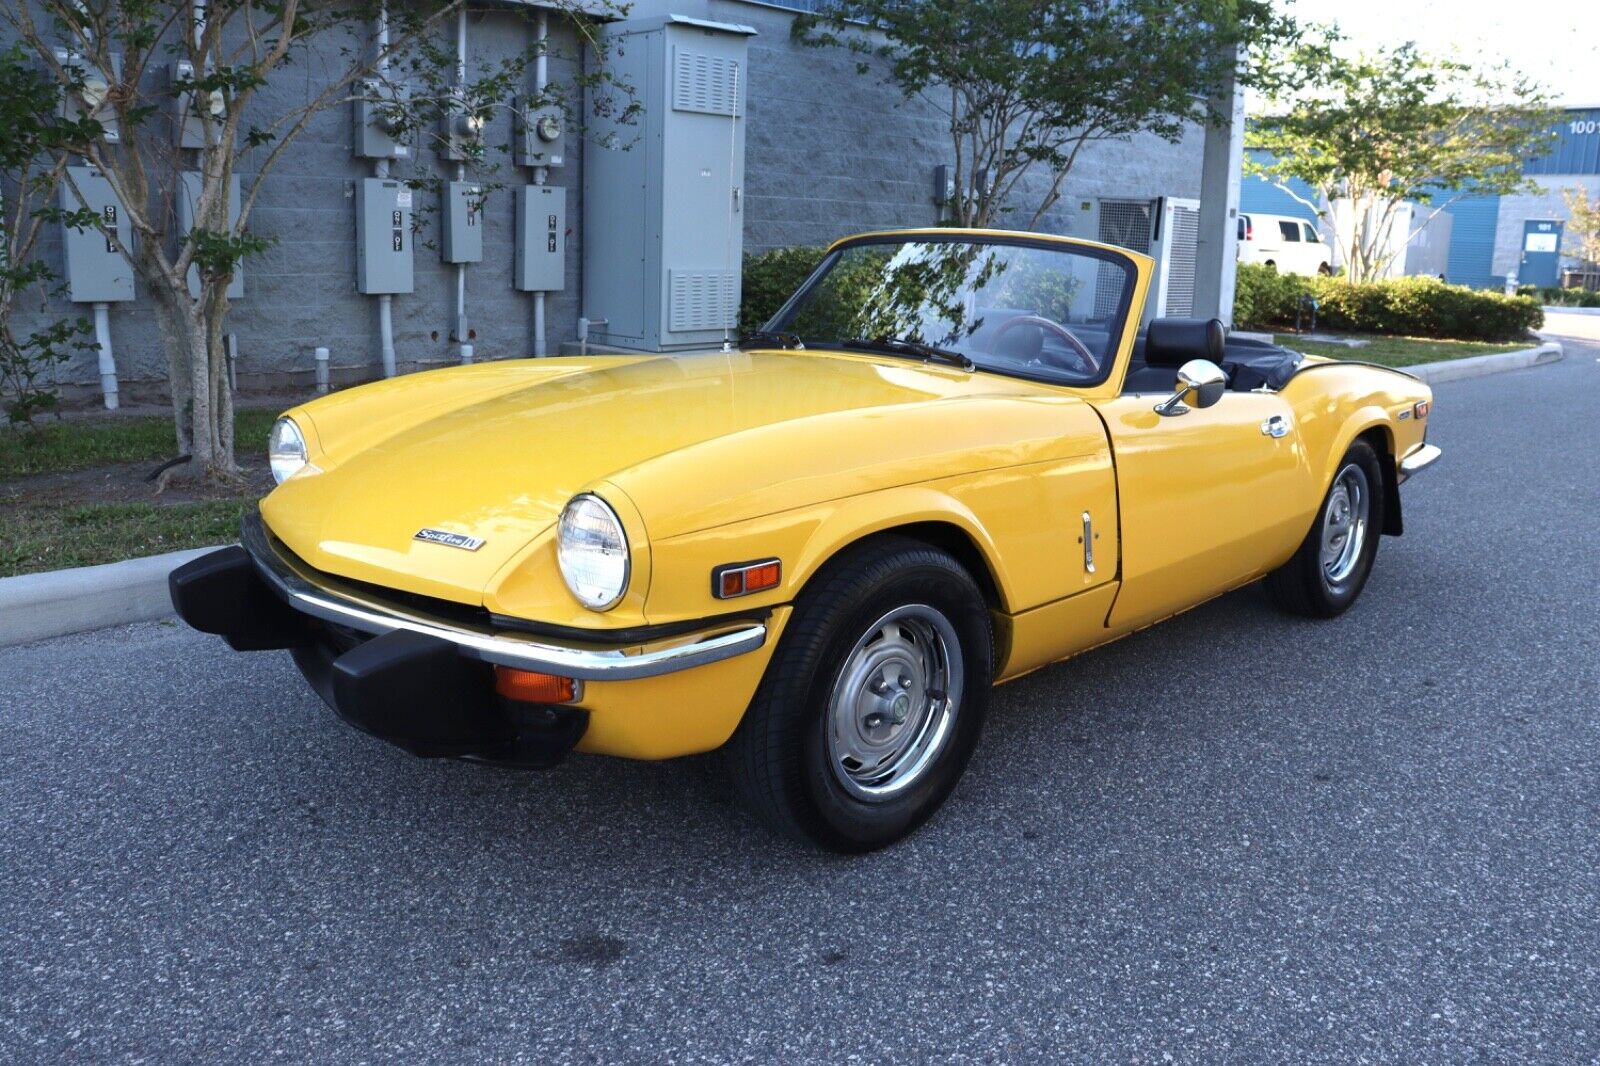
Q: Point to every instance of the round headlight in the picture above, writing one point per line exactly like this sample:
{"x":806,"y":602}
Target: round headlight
{"x":286,"y":450}
{"x":593,"y":552}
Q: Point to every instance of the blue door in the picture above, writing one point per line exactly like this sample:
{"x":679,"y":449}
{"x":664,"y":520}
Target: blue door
{"x":1541,"y":253}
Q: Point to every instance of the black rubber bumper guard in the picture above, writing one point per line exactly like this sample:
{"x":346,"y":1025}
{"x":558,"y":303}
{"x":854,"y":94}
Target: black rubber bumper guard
{"x":411,"y":689}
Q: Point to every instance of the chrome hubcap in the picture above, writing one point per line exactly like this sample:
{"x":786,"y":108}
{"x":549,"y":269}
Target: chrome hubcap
{"x":1344,"y":524}
{"x":894,"y":702}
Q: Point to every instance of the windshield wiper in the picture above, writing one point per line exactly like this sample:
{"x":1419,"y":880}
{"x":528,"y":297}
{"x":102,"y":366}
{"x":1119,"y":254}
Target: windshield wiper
{"x":901,"y":346}
{"x":761,"y":338}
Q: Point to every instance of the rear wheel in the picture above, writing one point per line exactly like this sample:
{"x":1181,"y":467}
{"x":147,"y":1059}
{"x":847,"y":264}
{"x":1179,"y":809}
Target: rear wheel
{"x":872,"y":703}
{"x":1331,"y":567}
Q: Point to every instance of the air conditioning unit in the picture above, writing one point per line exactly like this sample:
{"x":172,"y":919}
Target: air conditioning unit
{"x":1168,"y":230}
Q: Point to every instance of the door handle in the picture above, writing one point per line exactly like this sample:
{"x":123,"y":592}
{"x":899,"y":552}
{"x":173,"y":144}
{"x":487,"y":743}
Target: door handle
{"x":1276,"y":426}
{"x":1088,"y":543}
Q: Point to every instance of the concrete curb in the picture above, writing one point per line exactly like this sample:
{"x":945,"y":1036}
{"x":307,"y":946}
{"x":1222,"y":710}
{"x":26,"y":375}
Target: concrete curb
{"x":1557,"y":309}
{"x":1479,"y":365}
{"x":57,"y":602}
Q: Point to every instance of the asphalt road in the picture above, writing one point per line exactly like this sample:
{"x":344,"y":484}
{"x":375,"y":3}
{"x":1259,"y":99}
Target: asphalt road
{"x":1232,"y":838}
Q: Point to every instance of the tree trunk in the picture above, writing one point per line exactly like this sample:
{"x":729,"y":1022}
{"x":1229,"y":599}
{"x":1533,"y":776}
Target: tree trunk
{"x":202,"y":402}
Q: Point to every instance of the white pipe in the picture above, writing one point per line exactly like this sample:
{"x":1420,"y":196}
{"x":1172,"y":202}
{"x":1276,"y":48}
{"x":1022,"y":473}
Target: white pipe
{"x":323,"y":384}
{"x":108,"y":365}
{"x":386,"y":332}
{"x":541,"y":79}
{"x":465,"y":349}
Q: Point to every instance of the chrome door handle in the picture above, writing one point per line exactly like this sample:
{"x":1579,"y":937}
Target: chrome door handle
{"x":1276,"y":426}
{"x":1088,"y":543}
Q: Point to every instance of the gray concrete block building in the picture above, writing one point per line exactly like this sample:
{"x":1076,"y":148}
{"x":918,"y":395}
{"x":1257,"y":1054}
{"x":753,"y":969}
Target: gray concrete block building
{"x":814,"y":150}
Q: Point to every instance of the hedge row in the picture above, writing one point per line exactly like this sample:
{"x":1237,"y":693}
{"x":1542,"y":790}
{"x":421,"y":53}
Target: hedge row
{"x":1264,"y":299}
{"x":1561,"y":297}
{"x":1410,"y":306}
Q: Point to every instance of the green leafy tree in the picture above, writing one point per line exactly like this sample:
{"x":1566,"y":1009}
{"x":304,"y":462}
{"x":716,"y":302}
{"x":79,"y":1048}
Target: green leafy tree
{"x":30,"y":171}
{"x":114,"y":78}
{"x":1581,"y":236}
{"x":1026,"y":84}
{"x":1371,"y":132}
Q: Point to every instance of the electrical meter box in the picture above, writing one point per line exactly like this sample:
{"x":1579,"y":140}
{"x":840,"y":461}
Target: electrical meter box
{"x":663,"y":226}
{"x":189,"y":127}
{"x":541,"y":256}
{"x":461,"y":223}
{"x":89,"y":99}
{"x":383,"y":237}
{"x":540,"y":135}
{"x":188,"y":199}
{"x":378,"y":120}
{"x":461,"y":131}
{"x":97,"y":273}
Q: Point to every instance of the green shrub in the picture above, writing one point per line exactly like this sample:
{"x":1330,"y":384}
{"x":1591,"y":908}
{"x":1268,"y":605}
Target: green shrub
{"x":1552,"y":297}
{"x":1415,"y":306}
{"x":770,"y":278}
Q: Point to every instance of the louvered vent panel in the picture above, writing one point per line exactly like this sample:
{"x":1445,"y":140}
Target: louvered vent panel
{"x":1125,"y":223}
{"x":1181,"y":265}
{"x":701,"y":299}
{"x":706,"y":84}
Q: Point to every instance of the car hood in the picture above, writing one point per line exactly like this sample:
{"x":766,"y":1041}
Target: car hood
{"x":495,"y":451}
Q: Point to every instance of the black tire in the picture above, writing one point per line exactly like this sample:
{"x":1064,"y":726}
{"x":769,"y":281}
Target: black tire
{"x":1270,"y":265}
{"x":1306,"y":584}
{"x":783,"y":761}
{"x":1324,"y":270}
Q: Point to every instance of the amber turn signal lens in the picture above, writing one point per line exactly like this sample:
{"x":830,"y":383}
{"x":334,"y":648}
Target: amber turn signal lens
{"x":531,"y":687}
{"x":1421,"y":409}
{"x":741,"y":579}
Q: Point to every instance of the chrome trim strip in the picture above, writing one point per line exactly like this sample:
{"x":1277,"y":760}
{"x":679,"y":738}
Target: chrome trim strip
{"x":1425,"y":456}
{"x":585,"y":664}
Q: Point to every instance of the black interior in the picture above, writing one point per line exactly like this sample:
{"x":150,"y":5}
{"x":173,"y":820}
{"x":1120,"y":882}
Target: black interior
{"x":1167,"y":344}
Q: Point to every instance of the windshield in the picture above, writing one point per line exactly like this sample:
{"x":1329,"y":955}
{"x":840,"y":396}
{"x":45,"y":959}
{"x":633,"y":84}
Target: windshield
{"x":1044,"y":311}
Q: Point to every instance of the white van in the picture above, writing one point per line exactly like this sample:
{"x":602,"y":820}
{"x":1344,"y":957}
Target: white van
{"x":1284,"y":242}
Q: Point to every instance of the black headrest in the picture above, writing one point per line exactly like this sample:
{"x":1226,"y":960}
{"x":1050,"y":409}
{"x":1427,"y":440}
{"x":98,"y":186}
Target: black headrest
{"x":1175,"y":341}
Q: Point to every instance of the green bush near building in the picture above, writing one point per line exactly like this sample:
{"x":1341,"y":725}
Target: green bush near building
{"x":770,"y":278}
{"x":1561,"y":297}
{"x":1408,"y":306}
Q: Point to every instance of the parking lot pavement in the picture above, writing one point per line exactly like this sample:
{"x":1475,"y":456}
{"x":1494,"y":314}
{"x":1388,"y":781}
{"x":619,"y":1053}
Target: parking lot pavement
{"x":1233,"y":837}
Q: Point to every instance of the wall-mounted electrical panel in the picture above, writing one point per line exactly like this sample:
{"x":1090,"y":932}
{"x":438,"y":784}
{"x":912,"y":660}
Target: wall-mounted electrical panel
{"x":379,"y":113}
{"x":461,"y":223}
{"x":88,"y":100}
{"x":662,"y":220}
{"x":97,"y":272}
{"x":188,"y":199}
{"x":196,"y":113}
{"x":540,"y":135}
{"x":462,"y":131}
{"x":541,"y":253}
{"x":383,"y":236}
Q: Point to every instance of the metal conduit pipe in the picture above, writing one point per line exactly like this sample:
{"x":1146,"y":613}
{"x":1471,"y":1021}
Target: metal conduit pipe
{"x":462,"y":332}
{"x":380,"y":169}
{"x":541,"y":79}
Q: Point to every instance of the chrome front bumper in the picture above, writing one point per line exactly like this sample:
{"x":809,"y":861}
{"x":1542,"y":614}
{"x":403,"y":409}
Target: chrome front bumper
{"x":1419,"y":460}
{"x":330,"y":600}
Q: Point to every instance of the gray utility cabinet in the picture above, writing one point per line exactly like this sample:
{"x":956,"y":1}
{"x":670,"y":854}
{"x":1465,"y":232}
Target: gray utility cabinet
{"x":189,"y":183}
{"x":97,"y":273}
{"x":663,"y":221}
{"x":383,"y":237}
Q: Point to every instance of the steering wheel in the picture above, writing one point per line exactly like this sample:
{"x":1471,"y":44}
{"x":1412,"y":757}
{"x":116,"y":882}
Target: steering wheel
{"x":1088,"y":365}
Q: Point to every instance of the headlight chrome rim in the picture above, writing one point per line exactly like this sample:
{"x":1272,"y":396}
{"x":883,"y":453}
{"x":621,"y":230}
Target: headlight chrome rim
{"x":592,"y":589}
{"x":286,"y":450}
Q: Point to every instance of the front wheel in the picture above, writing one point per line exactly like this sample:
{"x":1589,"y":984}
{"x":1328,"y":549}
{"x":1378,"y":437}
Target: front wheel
{"x":873,"y":702}
{"x":1330,"y":569}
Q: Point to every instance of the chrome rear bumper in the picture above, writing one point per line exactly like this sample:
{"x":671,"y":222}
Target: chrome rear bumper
{"x":1420,"y":459}
{"x":332,"y":601}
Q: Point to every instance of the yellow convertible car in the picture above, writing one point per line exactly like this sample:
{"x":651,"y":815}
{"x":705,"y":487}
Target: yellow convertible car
{"x":952,"y":457}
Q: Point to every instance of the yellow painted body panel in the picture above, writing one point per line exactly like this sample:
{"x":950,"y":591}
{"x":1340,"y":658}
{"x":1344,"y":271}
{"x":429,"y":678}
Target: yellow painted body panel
{"x":718,"y":457}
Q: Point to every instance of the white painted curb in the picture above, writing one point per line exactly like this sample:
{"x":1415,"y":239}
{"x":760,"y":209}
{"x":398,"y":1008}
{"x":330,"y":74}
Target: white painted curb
{"x":57,"y":602}
{"x":1479,"y":365}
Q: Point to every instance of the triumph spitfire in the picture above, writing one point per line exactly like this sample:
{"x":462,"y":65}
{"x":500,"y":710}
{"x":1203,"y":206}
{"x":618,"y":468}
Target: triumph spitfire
{"x":953,"y":457}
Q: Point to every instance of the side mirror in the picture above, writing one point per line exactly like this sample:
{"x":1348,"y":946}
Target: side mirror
{"x":1200,"y":382}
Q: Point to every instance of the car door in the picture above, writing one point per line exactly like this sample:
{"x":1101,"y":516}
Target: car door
{"x":1291,"y":256}
{"x":1316,"y":253}
{"x":1207,"y":500}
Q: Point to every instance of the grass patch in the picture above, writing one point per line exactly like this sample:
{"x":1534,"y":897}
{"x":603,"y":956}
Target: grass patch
{"x":36,"y":537}
{"x":1397,"y":351}
{"x":78,"y":444}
